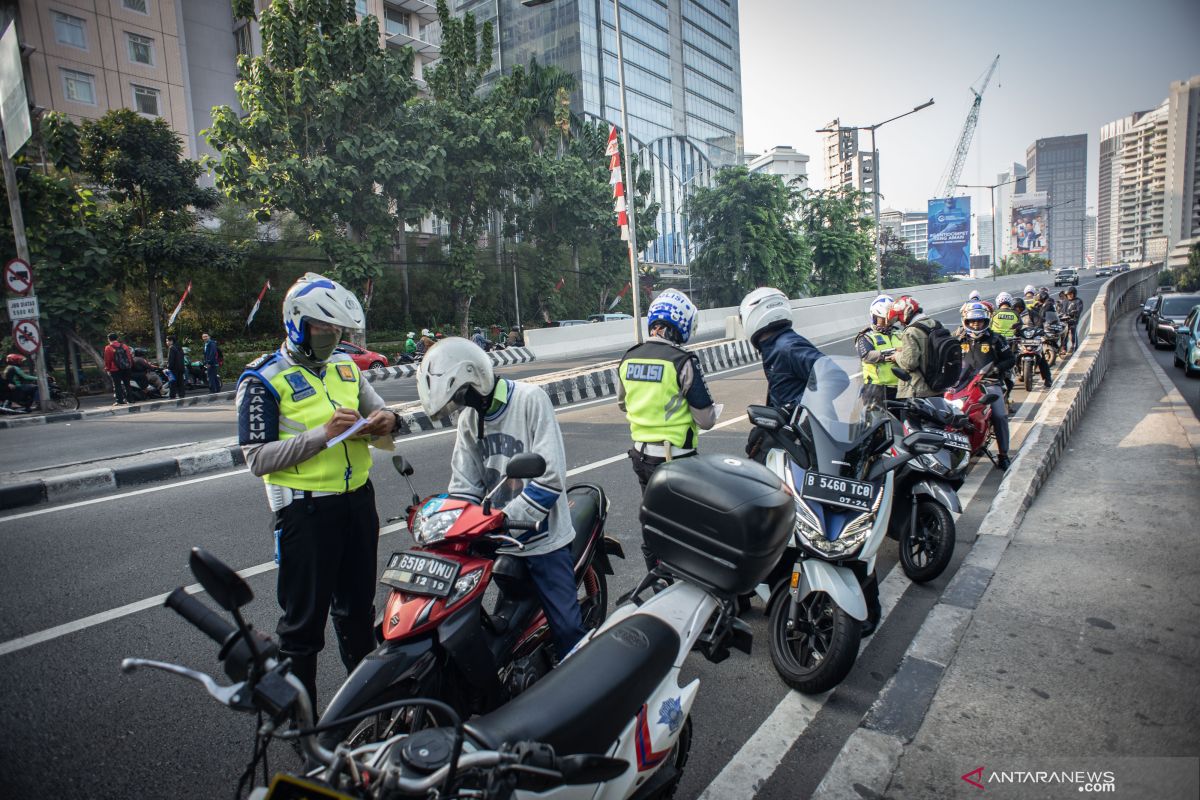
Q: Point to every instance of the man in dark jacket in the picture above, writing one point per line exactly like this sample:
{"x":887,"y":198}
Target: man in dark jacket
{"x":178,"y":367}
{"x":980,"y":347}
{"x":1072,"y":310}
{"x":788,"y":358}
{"x":212,"y":362}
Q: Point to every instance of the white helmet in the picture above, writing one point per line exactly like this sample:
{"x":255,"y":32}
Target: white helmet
{"x":448,"y":370}
{"x":1002,"y":298}
{"x":412,"y":335}
{"x":426,"y":332}
{"x":762,"y":309}
{"x":315,"y":298}
{"x":1029,"y":290}
{"x":881,"y":306}
{"x":973,"y":296}
{"x":674,"y":309}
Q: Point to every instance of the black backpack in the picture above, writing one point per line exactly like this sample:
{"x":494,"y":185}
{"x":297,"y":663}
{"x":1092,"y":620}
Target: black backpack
{"x":121,"y":356}
{"x":943,"y":358}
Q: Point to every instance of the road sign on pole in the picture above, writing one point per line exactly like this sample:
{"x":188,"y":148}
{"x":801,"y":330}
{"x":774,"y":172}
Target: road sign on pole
{"x":14,"y":106}
{"x":18,"y":277}
{"x":27,"y":336}
{"x":20,"y":308}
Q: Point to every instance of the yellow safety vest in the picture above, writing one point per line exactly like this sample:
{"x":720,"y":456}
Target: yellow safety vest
{"x":1005,"y":322}
{"x":306,"y":401}
{"x":881,"y":373}
{"x":656,"y":408}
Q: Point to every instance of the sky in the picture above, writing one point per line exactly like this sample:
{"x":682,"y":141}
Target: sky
{"x":1066,"y":67}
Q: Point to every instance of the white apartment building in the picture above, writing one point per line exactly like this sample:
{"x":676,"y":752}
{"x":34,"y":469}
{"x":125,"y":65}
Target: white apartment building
{"x":1108,"y":208}
{"x":1183,"y":169}
{"x":1142,"y":207}
{"x":911,"y":226}
{"x":846,"y":164}
{"x":783,"y":161}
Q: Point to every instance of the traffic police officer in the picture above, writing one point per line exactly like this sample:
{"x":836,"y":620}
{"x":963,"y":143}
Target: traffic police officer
{"x":292,"y":406}
{"x":876,"y":348}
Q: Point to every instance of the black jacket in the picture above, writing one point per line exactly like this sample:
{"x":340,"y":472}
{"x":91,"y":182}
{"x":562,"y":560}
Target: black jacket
{"x":175,"y":361}
{"x":987,"y":349}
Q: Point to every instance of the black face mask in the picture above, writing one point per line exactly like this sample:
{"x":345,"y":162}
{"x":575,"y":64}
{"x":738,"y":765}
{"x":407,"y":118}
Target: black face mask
{"x":470,"y":397}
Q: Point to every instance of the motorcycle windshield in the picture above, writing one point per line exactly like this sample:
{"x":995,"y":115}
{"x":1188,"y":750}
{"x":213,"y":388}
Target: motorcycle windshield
{"x":833,"y":399}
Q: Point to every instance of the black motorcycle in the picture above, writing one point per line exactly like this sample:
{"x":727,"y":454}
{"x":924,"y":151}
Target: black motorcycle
{"x":1030,"y":343}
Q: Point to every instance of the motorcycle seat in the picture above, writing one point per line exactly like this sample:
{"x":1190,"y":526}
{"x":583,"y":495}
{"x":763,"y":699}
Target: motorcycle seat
{"x":583,"y":705}
{"x":585,"y":502}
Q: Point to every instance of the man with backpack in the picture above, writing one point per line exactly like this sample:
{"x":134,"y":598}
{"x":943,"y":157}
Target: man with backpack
{"x":118,"y":362}
{"x":212,"y":362}
{"x":927,"y":352}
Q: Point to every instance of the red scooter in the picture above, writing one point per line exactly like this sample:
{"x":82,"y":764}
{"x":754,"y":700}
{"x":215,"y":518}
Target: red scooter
{"x":974,"y":402}
{"x":437,"y":637}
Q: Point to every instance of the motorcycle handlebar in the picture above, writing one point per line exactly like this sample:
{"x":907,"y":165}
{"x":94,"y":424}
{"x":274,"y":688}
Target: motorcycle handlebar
{"x":520,"y":525}
{"x":200,"y":615}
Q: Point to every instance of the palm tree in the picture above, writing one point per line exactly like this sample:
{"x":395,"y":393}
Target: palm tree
{"x":550,"y":88}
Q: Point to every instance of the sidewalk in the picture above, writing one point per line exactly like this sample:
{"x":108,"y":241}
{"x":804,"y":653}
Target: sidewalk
{"x":1084,"y":651}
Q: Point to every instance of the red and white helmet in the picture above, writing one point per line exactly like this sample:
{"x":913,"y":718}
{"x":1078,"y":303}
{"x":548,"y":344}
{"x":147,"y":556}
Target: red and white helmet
{"x":904,"y":309}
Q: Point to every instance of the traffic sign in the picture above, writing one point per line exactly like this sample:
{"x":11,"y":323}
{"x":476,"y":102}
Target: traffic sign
{"x":27,"y":336}
{"x":18,"y":276}
{"x":23,"y":308}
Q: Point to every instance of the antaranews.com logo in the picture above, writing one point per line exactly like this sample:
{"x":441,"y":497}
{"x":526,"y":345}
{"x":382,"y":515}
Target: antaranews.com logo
{"x":1087,"y":781}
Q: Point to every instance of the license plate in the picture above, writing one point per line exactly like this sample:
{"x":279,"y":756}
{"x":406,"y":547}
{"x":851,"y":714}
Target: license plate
{"x":415,"y":572}
{"x":844,"y":492}
{"x":289,"y":787}
{"x":957,"y":440}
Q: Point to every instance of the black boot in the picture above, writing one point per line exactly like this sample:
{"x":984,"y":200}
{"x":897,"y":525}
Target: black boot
{"x":1002,"y":462}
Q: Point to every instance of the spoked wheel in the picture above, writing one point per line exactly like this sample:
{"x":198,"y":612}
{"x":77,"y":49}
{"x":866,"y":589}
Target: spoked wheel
{"x":819,"y":652}
{"x":925,"y":553}
{"x":1051,"y":355}
{"x":65,"y":401}
{"x":593,"y":598}
{"x":406,"y":719}
{"x":1027,"y":376}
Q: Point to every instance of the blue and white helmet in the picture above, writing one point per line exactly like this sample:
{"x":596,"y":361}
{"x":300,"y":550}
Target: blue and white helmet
{"x":675,"y":309}
{"x":317,"y":298}
{"x":881,"y":307}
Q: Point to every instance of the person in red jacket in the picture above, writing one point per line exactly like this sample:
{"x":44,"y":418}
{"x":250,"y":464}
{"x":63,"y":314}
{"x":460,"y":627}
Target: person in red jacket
{"x":118,"y":361}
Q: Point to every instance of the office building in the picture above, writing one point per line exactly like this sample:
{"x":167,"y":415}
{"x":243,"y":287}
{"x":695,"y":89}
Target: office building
{"x":783,"y":161}
{"x":985,"y":235}
{"x":846,"y":164}
{"x":1012,"y":181}
{"x":1089,"y":241}
{"x":1142,"y":188}
{"x":1058,"y":167}
{"x":1108,"y":208}
{"x":912,"y":227}
{"x":1183,"y":170}
{"x":682,"y":78}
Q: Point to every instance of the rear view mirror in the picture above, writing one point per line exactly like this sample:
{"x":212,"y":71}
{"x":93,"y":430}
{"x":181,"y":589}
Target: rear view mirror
{"x":989,"y":398}
{"x":219,"y":580}
{"x":1182,"y":329}
{"x":765,"y":417}
{"x":402,"y":466}
{"x":924,"y":442}
{"x":526,"y":465}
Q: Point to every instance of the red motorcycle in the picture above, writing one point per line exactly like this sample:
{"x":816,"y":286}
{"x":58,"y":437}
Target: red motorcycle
{"x":438,"y":638}
{"x":974,"y":402}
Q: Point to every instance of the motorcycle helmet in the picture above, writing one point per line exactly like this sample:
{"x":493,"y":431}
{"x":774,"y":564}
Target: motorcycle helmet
{"x":1029,"y":291}
{"x":973,"y":297}
{"x":15,"y":359}
{"x":676,"y":312}
{"x":976,"y":319}
{"x":412,"y":335}
{"x":1071,"y":292}
{"x":1018,"y":305}
{"x":1004,"y":298}
{"x":881,"y":312}
{"x":1043,"y":294}
{"x":139,"y":352}
{"x":453,"y":375}
{"x":317,"y":299}
{"x":426,"y":332}
{"x":764,"y":310}
{"x":905,"y":309}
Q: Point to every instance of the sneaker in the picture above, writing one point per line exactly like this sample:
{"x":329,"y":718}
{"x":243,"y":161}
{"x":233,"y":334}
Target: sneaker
{"x":120,"y":403}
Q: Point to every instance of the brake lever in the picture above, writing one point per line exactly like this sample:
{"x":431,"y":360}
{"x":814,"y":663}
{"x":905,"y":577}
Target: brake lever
{"x":226,"y":695}
{"x":500,"y":537}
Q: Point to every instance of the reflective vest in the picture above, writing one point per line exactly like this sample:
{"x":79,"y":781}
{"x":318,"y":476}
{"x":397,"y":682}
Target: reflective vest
{"x":306,"y":401}
{"x":654,"y":403}
{"x":1005,"y":322}
{"x":880,"y":373}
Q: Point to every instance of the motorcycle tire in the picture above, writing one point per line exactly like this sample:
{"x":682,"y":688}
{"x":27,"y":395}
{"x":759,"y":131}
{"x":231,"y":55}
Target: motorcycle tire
{"x":1050,"y":354}
{"x":400,"y":720}
{"x":925,"y":553}
{"x":814,"y":669}
{"x":65,"y":401}
{"x":1027,"y":376}
{"x":676,"y":760}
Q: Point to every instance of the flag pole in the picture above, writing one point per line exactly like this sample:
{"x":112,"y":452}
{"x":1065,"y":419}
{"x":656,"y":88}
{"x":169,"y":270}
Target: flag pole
{"x":629,"y":203}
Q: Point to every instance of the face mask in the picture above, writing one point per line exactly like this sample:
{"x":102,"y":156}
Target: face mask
{"x":322,"y":342}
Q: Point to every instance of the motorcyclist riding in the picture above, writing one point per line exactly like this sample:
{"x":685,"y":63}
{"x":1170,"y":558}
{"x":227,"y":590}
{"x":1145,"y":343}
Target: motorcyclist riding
{"x":980,"y":347}
{"x":145,"y":372}
{"x":876,"y":348}
{"x":480,"y":340}
{"x":787,"y":357}
{"x":1033,"y":320}
{"x":19,"y":385}
{"x":410,"y":344}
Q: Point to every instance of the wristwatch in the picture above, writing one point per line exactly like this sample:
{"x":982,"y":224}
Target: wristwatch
{"x":396,"y":425}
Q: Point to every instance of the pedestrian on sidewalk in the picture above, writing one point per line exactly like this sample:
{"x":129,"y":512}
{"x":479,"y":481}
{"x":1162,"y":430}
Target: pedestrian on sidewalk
{"x":212,"y":363}
{"x":177,"y":365}
{"x":118,"y":361}
{"x":326,"y":526}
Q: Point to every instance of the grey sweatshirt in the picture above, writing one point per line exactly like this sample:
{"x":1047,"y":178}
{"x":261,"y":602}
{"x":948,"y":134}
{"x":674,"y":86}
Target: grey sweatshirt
{"x":524,"y":423}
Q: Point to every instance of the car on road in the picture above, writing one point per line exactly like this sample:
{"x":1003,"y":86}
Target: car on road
{"x":566,"y":323}
{"x":364,"y":358}
{"x":1104,"y":272}
{"x":1187,"y":344}
{"x":1166,"y":315}
{"x":1066,"y":276}
{"x":1122,"y":268}
{"x":607,"y":317}
{"x":1145,"y":312}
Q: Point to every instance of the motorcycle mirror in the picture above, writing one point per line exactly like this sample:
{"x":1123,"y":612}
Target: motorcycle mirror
{"x":765,"y":417}
{"x":924,"y":442}
{"x":402,"y":466}
{"x":901,"y":373}
{"x":583,"y":769}
{"x":989,"y":398}
{"x":219,"y":580}
{"x":526,"y":465}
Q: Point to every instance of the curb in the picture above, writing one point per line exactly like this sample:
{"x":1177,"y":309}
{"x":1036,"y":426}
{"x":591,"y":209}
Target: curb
{"x":576,"y":388}
{"x":870,"y":757}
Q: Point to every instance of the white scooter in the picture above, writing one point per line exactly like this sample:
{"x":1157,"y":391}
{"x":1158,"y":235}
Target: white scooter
{"x":610,"y":723}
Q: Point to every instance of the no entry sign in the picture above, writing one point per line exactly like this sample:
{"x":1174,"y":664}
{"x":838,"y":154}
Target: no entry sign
{"x":27,"y":336}
{"x":18,"y":277}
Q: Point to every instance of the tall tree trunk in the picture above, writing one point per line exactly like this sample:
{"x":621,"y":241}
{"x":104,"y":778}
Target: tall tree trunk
{"x":92,"y":353}
{"x":156,"y":317}
{"x":400,"y":253}
{"x":72,"y":364}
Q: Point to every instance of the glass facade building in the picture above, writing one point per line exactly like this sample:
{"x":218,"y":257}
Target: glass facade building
{"x":1058,"y":166}
{"x":682,"y":80}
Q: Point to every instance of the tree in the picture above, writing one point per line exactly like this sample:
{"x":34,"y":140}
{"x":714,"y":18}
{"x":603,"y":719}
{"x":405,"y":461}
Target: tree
{"x":152,"y":195}
{"x":902,"y":268}
{"x":838,"y":233}
{"x":1025,"y":262}
{"x":487,"y":152}
{"x":1188,"y":277}
{"x":746,"y":237}
{"x":327,"y":131}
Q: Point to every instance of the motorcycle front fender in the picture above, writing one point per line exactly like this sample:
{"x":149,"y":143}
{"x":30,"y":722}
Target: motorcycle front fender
{"x":389,"y":664}
{"x":940,"y":493}
{"x":838,"y":582}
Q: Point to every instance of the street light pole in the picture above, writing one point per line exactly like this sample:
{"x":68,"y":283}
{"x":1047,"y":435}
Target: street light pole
{"x":630,"y":187}
{"x":992,"y":188}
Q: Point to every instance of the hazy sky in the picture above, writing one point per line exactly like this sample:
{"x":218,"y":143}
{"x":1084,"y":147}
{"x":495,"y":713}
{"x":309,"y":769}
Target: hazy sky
{"x":1066,"y":67}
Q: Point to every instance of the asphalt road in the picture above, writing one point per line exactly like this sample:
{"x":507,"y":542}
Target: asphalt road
{"x":82,"y":579}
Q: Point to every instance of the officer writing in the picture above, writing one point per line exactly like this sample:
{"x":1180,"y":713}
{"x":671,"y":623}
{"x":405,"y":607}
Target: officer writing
{"x":876,"y":348}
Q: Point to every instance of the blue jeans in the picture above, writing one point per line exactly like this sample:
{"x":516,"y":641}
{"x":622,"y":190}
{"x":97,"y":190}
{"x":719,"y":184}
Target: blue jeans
{"x":554,"y":578}
{"x":214,"y":379}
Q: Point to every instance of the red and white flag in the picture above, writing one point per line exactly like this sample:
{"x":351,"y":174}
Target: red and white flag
{"x":619,"y":297}
{"x":179,"y":306}
{"x":561,"y":282}
{"x":613,"y":152}
{"x":257,"y":303}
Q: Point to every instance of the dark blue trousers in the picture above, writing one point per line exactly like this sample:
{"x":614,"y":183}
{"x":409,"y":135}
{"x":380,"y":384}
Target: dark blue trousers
{"x":554,"y":578}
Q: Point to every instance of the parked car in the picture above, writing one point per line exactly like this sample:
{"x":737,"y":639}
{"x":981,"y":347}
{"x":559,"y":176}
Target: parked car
{"x":1145,"y":312}
{"x":1187,"y":344}
{"x":607,"y":317}
{"x":1166,"y":315}
{"x":566,"y":323}
{"x":365,"y":359}
{"x":1122,"y":268}
{"x":1104,"y":272}
{"x":1066,"y":276}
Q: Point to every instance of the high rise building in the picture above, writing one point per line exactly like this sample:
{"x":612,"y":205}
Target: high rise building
{"x":1058,"y":166}
{"x":1108,"y":209}
{"x":846,"y":164}
{"x":1089,"y":241}
{"x":985,"y":235}
{"x":912,"y":227}
{"x":783,"y":161}
{"x":682,"y":79}
{"x":1183,"y":169}
{"x":1012,"y":181}
{"x":1142,"y":188}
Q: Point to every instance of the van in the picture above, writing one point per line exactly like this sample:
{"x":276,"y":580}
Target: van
{"x":607,"y":317}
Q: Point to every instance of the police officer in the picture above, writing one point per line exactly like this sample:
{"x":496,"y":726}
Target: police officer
{"x":876,"y":348}
{"x":662,"y":391}
{"x":292,"y":405}
{"x":980,"y":347}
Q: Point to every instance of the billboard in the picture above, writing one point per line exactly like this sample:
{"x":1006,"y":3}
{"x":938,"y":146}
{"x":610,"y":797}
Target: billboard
{"x":1028,"y":228}
{"x":950,"y":234}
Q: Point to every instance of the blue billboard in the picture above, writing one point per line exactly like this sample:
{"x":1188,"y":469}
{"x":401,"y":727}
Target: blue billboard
{"x":950,"y":234}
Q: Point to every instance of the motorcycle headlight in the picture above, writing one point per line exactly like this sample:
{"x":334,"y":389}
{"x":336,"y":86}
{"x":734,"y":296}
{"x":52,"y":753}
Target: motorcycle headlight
{"x":932,"y":463}
{"x":430,"y":528}
{"x":464,"y":586}
{"x":810,"y":534}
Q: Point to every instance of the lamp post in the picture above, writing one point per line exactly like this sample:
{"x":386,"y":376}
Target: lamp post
{"x":992,"y":188}
{"x":875,"y":176}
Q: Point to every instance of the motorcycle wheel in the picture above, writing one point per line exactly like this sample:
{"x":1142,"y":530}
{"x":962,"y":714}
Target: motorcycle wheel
{"x":1050,"y":354}
{"x":593,"y":597}
{"x":815,"y":662}
{"x":65,"y":401}
{"x":925,"y":553}
{"x":676,"y":761}
{"x":396,"y":721}
{"x":1027,"y":376}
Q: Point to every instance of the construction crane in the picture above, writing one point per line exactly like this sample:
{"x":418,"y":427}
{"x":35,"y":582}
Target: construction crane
{"x":949,"y":181}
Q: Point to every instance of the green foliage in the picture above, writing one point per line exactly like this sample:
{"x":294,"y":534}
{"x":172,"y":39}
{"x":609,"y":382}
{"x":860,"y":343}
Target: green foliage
{"x":1018,"y":264}
{"x":902,"y":268}
{"x":1187,"y":278}
{"x":327,"y":132}
{"x":838,"y":233}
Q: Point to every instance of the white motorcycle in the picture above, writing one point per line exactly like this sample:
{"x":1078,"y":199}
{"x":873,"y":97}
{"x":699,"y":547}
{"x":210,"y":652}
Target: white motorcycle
{"x":833,"y":453}
{"x":611,"y":722}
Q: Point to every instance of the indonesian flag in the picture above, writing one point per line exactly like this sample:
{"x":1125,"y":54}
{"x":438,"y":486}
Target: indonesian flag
{"x":179,"y":306}
{"x":620,"y":295}
{"x":561,"y":282}
{"x":257,"y":303}
{"x":614,"y":164}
